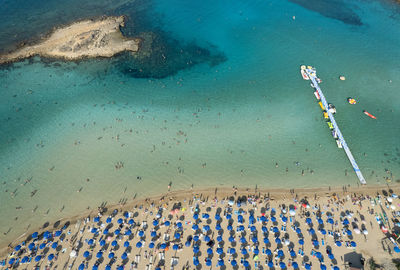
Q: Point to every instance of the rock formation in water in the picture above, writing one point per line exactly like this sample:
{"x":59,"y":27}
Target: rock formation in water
{"x":84,"y":39}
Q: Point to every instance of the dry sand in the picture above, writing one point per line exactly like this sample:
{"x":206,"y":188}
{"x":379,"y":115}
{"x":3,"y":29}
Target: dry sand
{"x":90,"y":38}
{"x":210,"y":200}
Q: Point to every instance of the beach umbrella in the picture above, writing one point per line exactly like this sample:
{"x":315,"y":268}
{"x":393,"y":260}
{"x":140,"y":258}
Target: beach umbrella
{"x":179,"y":224}
{"x":177,"y":235}
{"x":365,"y":232}
{"x":38,"y":258}
{"x":243,"y":251}
{"x":175,"y":247}
{"x":275,"y":229}
{"x":231,"y":251}
{"x":114,"y":243}
{"x":396,"y":249}
{"x":206,"y":228}
{"x":86,"y":254}
{"x":90,"y":242}
{"x":124,"y":256}
{"x":280,"y":253}
{"x":58,"y":233}
{"x":292,"y":212}
{"x":208,"y":262}
{"x":220,"y":262}
{"x":120,"y":221}
{"x":217,"y":217}
{"x":318,"y":255}
{"x":231,"y":239}
{"x":278,"y":241}
{"x":205,"y":216}
{"x":353,"y":244}
{"x":228,"y":216}
{"x":196,"y":216}
{"x":307,"y":266}
{"x":35,"y":235}
{"x":252,"y":220}
{"x":42,"y":246}
{"x":273,"y":219}
{"x":266,"y":240}
{"x":331,"y":256}
{"x":256,"y":251}
{"x":111,"y":255}
{"x":209,"y":251}
{"x":96,"y":219}
{"x":153,"y":234}
{"x":195,"y":249}
{"x":263,"y":218}
{"x":336,"y":267}
{"x":102,"y":242}
{"x":117,"y":231}
{"x":17,"y":248}
{"x":338,"y":243}
{"x":31,"y":246}
{"x":108,"y":220}
{"x":270,"y":264}
{"x":295,"y":265}
{"x":323,"y":231}
{"x":218,"y":227}
{"x":233,"y":263}
{"x":167,"y":223}
{"x":349,"y":232}
{"x":229,"y":228}
{"x":282,"y":265}
{"x":268,"y":252}
{"x":187,"y":243}
{"x":316,"y":243}
{"x":246,"y":263}
{"x":50,"y":257}
{"x":126,"y":244}
{"x":151,"y":245}
{"x":254,"y":239}
{"x":11,"y":261}
{"x":195,"y":227}
{"x":284,"y":219}
{"x":330,"y":221}
{"x":243,"y":239}
{"x":99,"y":254}
{"x":155,"y":222}
{"x":241,"y":228}
{"x":105,"y":231}
{"x":346,"y":221}
{"x":128,"y":232}
{"x":220,"y":251}
{"x":320,"y":221}
{"x":292,"y":253}
{"x":301,"y":241}
{"x":311,"y":231}
{"x":95,"y":267}
{"x":240,"y":218}
{"x":141,"y":233}
{"x":323,"y":267}
{"x":46,"y":235}
{"x":108,"y":267}
{"x":264,"y":229}
{"x":357,"y":230}
{"x":196,"y":238}
{"x":308,"y":220}
{"x":139,"y":244}
{"x":219,"y":238}
{"x":94,"y":230}
{"x":196,"y":261}
{"x":131,"y":221}
{"x":81,"y":266}
{"x":24,"y":260}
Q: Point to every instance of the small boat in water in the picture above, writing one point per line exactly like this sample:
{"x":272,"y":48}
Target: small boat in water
{"x":370,"y":115}
{"x":304,"y":74}
{"x":317,"y":95}
{"x":332,"y":108}
{"x":351,"y":101}
{"x":326,"y":116}
{"x":339,"y":144}
{"x":330,"y":125}
{"x":321,"y":105}
{"x":334,"y":134}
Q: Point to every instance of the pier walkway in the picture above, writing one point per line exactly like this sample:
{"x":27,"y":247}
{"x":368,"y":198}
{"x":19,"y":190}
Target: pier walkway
{"x":311,"y":73}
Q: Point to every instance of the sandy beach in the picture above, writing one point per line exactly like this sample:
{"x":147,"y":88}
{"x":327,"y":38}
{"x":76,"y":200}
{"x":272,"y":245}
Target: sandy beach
{"x":226,"y":227}
{"x":84,"y":39}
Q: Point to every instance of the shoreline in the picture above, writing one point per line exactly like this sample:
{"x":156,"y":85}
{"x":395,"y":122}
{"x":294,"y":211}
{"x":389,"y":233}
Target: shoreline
{"x":274,"y":194}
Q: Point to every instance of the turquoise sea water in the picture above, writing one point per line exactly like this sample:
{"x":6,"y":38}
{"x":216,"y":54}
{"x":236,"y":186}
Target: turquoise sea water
{"x":224,"y":104}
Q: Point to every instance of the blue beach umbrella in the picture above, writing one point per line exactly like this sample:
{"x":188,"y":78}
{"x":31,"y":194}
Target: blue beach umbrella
{"x":195,"y":227}
{"x":120,"y":221}
{"x":177,"y":235}
{"x":111,"y":255}
{"x":139,"y":244}
{"x":205,"y":216}
{"x":209,"y":251}
{"x":179,"y":224}
{"x":81,"y":266}
{"x":264,"y":229}
{"x":114,"y":243}
{"x":253,"y":228}
{"x":86,"y":254}
{"x":323,"y":231}
{"x":42,"y":246}
{"x":141,"y":233}
{"x":338,"y":243}
{"x":50,"y":257}
{"x":196,"y":216}
{"x":233,"y":262}
{"x":292,"y":253}
{"x":126,"y":244}
{"x":155,"y":222}
{"x":353,"y":244}
{"x":320,"y":221}
{"x":278,"y":241}
{"x":206,"y":238}
{"x":336,"y":267}
{"x":346,"y":221}
{"x":196,"y":261}
{"x":108,"y":267}
{"x":195,"y":249}
{"x":256,"y":251}
{"x":108,"y":220}
{"x":46,"y":235}
{"x":264,"y":218}
{"x":31,"y":246}
{"x":218,"y":227}
{"x":35,"y":235}
{"x":280,"y":253}
{"x":99,"y":254}
{"x":95,"y":267}
{"x":25,"y":259}
{"x":349,"y":232}
{"x":308,"y":220}
{"x":90,"y":242}
{"x":254,"y":239}
{"x":117,"y":232}
{"x":219,"y":238}
{"x":151,"y":245}
{"x":275,"y":229}
{"x":295,"y":265}
{"x":316,"y":243}
{"x":228,"y":216}
{"x":301,"y":242}
{"x":307,"y":266}
{"x":266,"y":240}
{"x":17,"y":248}
{"x":243,"y":251}
{"x":273,"y":219}
{"x":252,"y":220}
{"x":187,"y":244}
{"x":229,"y":228}
{"x":220,"y":251}
{"x":167,"y":223}
{"x":94,"y":230}
{"x":318,"y":255}
{"x":282,"y":265}
{"x":243,"y":239}
{"x":231,"y":239}
{"x":124,"y":256}
{"x":105,"y":231}
{"x":196,"y":238}
{"x":323,"y":267}
{"x":58,"y":233}
{"x":217,"y":217}
{"x":268,"y":252}
{"x":231,"y":251}
{"x":312,"y":231}
{"x":38,"y":258}
{"x":331,"y":256}
{"x":128,"y":232}
{"x":131,"y":221}
{"x":11,"y":261}
{"x":208,"y":262}
{"x":246,"y":263}
{"x":153,"y":234}
{"x":96,"y":219}
{"x":330,"y":221}
{"x":102,"y":242}
{"x":241,"y":228}
{"x":220,"y":262}
{"x":270,"y":264}
{"x":396,"y":249}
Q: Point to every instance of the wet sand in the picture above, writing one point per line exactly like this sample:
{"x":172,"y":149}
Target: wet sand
{"x":84,"y":39}
{"x":180,"y":206}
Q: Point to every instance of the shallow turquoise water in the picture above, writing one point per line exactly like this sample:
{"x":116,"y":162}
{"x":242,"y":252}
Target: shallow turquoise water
{"x":225,"y":120}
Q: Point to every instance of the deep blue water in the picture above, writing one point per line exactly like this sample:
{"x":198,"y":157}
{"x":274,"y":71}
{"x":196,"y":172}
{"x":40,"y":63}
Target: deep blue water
{"x":219,"y":101}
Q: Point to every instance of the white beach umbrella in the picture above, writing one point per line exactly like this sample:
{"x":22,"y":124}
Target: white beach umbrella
{"x":72,"y":254}
{"x":357,"y":230}
{"x":287,"y":242}
{"x":393,"y":207}
{"x":292,"y":212}
{"x":389,"y":199}
{"x":365,"y":232}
